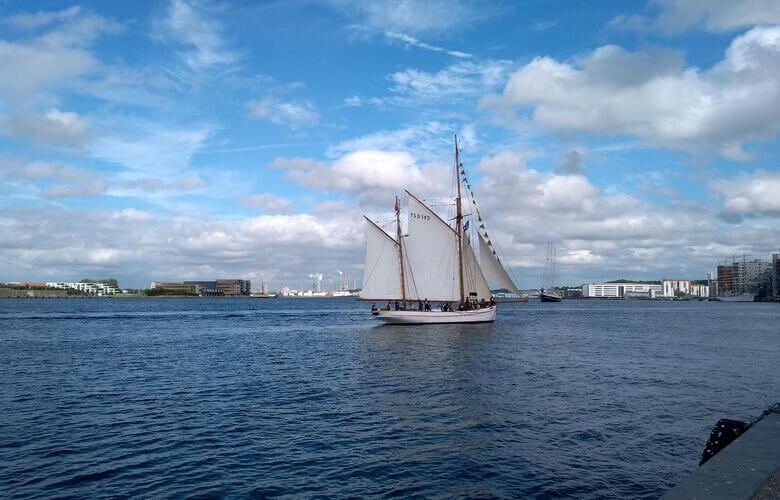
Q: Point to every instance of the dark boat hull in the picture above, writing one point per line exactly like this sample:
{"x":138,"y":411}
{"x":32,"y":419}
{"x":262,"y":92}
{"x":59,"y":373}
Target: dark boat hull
{"x":546,"y":297}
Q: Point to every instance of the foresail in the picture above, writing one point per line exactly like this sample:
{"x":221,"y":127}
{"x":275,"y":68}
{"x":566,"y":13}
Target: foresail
{"x":381,"y":274}
{"x":473,"y":279}
{"x":431,"y":254}
{"x":494,"y":272}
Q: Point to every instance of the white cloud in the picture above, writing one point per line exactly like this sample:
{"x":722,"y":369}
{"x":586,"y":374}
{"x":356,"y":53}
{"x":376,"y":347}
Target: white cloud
{"x":190,"y":183}
{"x":268,"y":202}
{"x":465,"y":78}
{"x":54,"y":127}
{"x":411,"y":41}
{"x":190,"y":25}
{"x":54,"y":180}
{"x":751,"y":195}
{"x":650,"y":94}
{"x":83,"y":190}
{"x":426,"y":139}
{"x":55,"y":57}
{"x":64,"y":244}
{"x":408,"y":16}
{"x":715,"y":15}
{"x":524,"y":209}
{"x":43,"y":18}
{"x":373,"y":175}
{"x":149,"y":147}
{"x":291,"y":114}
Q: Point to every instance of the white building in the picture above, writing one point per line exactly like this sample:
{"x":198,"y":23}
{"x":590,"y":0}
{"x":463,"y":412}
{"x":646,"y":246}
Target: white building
{"x":684,"y":288}
{"x":676,"y":288}
{"x":91,"y":288}
{"x":618,"y":290}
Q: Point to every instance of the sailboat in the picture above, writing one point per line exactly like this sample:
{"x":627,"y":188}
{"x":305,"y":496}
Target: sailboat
{"x":549,"y":292}
{"x":433,"y":263}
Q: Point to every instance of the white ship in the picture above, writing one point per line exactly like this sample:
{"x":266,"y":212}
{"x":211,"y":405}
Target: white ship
{"x":741,"y":297}
{"x":431,"y":274}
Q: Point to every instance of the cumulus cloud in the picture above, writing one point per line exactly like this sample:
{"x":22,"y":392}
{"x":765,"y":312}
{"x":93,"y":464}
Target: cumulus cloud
{"x":715,"y":15}
{"x":362,"y":171}
{"x":753,"y":195}
{"x":523,"y":209}
{"x":652,"y":95}
{"x":268,"y":202}
{"x":58,"y":243}
{"x":292,"y":114}
{"x":188,"y":24}
{"x":55,"y":127}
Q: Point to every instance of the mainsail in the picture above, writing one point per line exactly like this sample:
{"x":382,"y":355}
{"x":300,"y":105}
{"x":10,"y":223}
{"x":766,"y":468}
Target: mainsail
{"x":494,"y":271}
{"x":431,"y":254}
{"x":381,"y":276}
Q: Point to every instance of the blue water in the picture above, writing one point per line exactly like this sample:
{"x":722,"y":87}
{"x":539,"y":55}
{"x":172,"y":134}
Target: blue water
{"x":201,"y":397}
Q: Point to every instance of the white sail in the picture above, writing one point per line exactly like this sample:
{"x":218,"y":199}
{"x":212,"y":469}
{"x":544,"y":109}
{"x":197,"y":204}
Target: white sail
{"x":473,"y":278}
{"x":382,"y":273}
{"x":495,"y":273}
{"x":432,"y":256}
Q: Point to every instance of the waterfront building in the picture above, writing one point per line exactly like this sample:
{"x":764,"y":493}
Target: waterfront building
{"x":234,"y":287}
{"x":207,"y":288}
{"x":182,"y":288}
{"x":99,"y":289}
{"x":701,"y":291}
{"x":676,"y":288}
{"x":746,"y":277}
{"x":776,"y":276}
{"x":619,"y":290}
{"x":215,"y":288}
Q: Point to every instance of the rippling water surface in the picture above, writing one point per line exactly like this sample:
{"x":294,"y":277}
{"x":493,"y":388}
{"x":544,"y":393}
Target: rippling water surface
{"x":202,"y":397}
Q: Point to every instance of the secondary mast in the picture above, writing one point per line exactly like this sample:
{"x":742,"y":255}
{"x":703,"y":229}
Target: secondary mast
{"x":458,"y":223}
{"x":400,"y":246}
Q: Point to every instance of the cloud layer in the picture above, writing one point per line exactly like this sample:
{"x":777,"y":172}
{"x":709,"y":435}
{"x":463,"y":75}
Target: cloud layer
{"x":652,"y":95}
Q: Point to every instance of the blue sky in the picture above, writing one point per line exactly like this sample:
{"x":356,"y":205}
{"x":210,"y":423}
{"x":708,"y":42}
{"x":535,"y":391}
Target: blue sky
{"x":190,"y":139}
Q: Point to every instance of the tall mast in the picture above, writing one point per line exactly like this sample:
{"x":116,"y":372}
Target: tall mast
{"x":459,"y":221}
{"x":400,"y":246}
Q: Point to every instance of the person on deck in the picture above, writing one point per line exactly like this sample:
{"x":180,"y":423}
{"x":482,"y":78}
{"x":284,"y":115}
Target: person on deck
{"x":427,"y":306}
{"x":396,"y":306}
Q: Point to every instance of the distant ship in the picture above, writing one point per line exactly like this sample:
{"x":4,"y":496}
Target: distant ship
{"x":742,"y":297}
{"x":433,"y":263}
{"x":549,"y":292}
